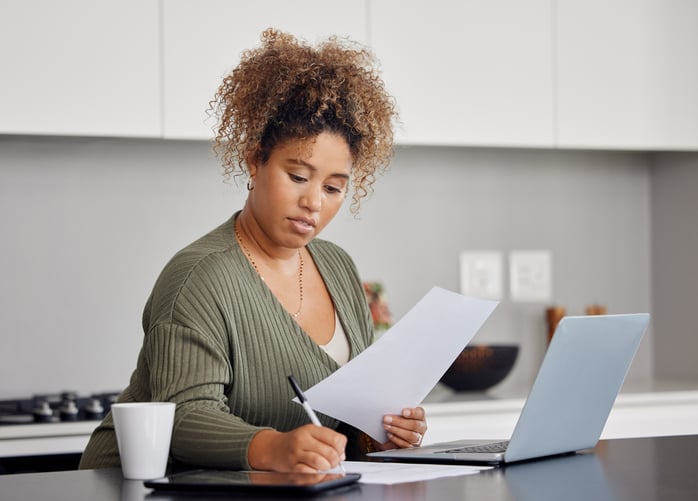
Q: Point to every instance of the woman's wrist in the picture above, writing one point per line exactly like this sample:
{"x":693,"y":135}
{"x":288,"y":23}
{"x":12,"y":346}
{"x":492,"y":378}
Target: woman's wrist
{"x":260,"y":452}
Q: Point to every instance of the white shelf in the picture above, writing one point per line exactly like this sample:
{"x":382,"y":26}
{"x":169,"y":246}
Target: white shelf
{"x":45,"y":446}
{"x":45,"y":439}
{"x":47,"y":430}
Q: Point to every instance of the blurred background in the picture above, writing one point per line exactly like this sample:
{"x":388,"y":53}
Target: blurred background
{"x":561,"y":128}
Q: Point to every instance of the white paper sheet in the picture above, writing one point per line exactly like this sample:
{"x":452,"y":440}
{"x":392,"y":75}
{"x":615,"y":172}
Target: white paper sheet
{"x":403,"y":366}
{"x":395,"y":473}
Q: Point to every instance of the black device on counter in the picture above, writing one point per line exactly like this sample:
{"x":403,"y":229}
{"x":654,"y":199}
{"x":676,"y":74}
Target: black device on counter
{"x":252,"y":481}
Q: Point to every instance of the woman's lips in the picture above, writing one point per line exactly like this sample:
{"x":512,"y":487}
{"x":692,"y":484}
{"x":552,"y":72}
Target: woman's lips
{"x":303,"y":226}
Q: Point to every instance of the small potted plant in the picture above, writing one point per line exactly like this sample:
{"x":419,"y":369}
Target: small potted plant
{"x":380,"y":313}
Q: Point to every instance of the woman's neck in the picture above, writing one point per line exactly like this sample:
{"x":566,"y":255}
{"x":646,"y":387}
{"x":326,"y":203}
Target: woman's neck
{"x":261,"y":248}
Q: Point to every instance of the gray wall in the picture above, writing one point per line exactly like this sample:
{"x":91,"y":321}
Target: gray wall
{"x":675,"y":266}
{"x":87,"y":224}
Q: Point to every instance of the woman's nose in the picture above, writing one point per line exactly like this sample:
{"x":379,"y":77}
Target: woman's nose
{"x":312,"y":198}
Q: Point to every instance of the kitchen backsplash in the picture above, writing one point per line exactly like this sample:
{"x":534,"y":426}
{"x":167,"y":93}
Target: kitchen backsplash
{"x":87,"y":224}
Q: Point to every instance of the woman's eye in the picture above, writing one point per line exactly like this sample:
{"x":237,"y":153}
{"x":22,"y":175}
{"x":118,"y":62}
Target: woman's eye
{"x":333,"y":189}
{"x":297,"y":179}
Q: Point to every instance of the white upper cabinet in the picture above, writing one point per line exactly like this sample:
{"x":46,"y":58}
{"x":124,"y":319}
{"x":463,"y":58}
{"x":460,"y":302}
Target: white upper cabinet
{"x":80,"y":67}
{"x":627,"y":74}
{"x":472,"y":72}
{"x":203,"y":41}
{"x":606,"y":74}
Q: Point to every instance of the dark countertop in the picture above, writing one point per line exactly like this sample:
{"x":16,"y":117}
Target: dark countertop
{"x":628,"y":469}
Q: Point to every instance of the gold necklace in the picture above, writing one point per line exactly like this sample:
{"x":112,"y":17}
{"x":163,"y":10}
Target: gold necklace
{"x":254,"y":265}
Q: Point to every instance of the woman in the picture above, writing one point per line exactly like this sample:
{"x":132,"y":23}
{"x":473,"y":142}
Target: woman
{"x":260,"y":297}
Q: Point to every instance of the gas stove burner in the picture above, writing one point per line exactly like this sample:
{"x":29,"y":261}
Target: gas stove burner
{"x":94,"y":409}
{"x":67,"y":406}
{"x":42,"y":411}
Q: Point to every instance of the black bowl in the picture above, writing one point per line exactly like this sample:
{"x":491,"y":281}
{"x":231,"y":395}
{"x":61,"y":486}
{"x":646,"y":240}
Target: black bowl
{"x":480,"y":367}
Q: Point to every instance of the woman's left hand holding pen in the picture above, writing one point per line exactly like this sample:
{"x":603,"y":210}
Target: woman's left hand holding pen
{"x":308,"y":449}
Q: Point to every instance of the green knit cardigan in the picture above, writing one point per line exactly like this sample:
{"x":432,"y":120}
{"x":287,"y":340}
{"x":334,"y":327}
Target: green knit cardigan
{"x":220,"y":345}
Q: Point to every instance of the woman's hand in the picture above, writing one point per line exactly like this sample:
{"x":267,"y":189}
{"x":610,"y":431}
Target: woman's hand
{"x":307,"y":449}
{"x":405,"y":430}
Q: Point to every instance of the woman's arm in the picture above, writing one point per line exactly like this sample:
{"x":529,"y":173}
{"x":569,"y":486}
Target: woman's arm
{"x":191,"y":369}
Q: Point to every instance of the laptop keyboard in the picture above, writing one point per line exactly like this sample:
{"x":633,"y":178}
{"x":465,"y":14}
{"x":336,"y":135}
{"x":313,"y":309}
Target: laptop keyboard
{"x":491,"y":447}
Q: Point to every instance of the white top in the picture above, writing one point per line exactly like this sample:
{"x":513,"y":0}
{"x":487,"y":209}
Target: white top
{"x":338,"y":347}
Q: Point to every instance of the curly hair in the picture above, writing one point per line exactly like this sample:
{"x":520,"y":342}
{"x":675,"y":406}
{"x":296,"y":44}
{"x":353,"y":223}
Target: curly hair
{"x":287,"y":90}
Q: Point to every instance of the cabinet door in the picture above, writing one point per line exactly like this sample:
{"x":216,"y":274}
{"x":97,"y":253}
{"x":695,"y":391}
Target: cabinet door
{"x":474,"y":72}
{"x":203,"y":41}
{"x":627,"y":74}
{"x":80,"y":67}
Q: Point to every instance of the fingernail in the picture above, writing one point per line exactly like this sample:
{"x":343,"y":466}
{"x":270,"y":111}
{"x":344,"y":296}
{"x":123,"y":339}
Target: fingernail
{"x":406,"y":412}
{"x":388,"y":419}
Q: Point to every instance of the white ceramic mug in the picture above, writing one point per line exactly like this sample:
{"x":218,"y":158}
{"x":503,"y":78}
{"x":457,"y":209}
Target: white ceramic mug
{"x":143,"y":433}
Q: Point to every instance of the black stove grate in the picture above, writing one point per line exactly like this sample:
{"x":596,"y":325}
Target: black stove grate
{"x":56,"y":408}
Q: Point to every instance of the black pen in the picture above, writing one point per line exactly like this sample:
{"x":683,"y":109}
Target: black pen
{"x":308,"y":410}
{"x":304,"y":401}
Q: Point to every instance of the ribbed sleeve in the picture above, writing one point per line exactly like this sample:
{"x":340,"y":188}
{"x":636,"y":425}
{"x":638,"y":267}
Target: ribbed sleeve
{"x":219,"y":344}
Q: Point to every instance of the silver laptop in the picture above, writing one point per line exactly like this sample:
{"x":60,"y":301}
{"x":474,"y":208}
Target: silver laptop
{"x":569,"y":403}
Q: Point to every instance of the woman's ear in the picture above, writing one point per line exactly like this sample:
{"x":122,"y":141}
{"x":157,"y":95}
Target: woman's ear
{"x":252,"y":162}
{"x":252,"y":170}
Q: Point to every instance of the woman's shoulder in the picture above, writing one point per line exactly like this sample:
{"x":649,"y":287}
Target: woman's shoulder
{"x":220,"y":239}
{"x":202,"y":258}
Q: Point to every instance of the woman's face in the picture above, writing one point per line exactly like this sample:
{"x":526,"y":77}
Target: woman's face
{"x":296,"y":195}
